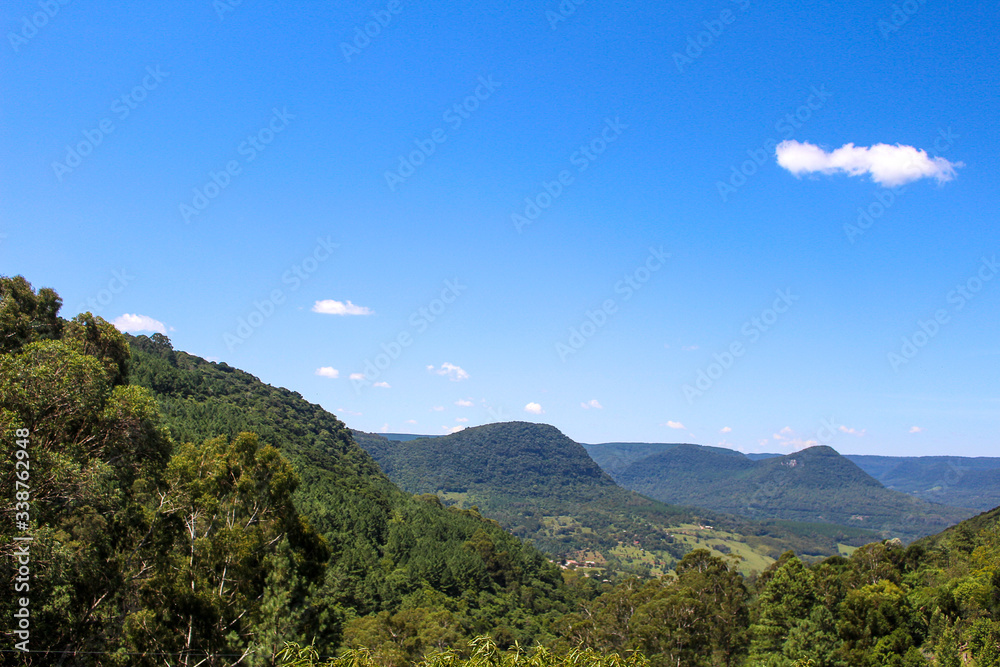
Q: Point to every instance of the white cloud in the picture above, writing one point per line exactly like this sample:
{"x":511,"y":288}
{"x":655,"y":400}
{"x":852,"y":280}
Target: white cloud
{"x":342,"y":411}
{"x":385,"y":428}
{"x":725,"y":429}
{"x":452,"y":429}
{"x":690,"y":348}
{"x":787,"y":438}
{"x":383,"y":385}
{"x":673,"y":424}
{"x":534,"y":408}
{"x":461,"y":419}
{"x":438,"y":408}
{"x":357,"y":376}
{"x":454,"y":373}
{"x":852,"y":431}
{"x":328,"y":372}
{"x":331,"y":307}
{"x":784,"y":433}
{"x":915,"y":429}
{"x":592,"y":403}
{"x":888,"y":166}
{"x":134,"y":323}
{"x":411,"y":421}
{"x":462,"y":403}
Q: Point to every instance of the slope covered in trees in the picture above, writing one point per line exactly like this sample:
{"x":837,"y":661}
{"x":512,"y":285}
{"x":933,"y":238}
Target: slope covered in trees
{"x":813,"y":485}
{"x":935,"y":603}
{"x":185,"y":538}
{"x":543,"y":486}
{"x":150,"y":547}
{"x":399,"y":565}
{"x":961,"y":481}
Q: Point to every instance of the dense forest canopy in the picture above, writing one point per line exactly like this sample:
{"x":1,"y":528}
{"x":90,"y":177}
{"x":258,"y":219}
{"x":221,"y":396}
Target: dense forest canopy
{"x":184,"y":513}
{"x":815,"y":483}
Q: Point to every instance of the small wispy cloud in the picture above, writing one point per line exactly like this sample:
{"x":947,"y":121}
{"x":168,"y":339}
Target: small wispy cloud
{"x":357,"y":376}
{"x":452,"y":429}
{"x":385,"y":428}
{"x":592,"y":403}
{"x":411,"y":421}
{"x":784,"y":433}
{"x":342,"y":411}
{"x":725,"y":429}
{"x":133,"y":323}
{"x":437,"y":408}
{"x":463,"y":403}
{"x":887,"y":165}
{"x":673,"y":424}
{"x":534,"y":408}
{"x":454,"y":373}
{"x":851,"y":431}
{"x":383,"y":385}
{"x":690,"y":348}
{"x":332,"y":307}
{"x":792,"y":441}
{"x":328,"y":372}
{"x":915,"y":429}
{"x":461,"y":419}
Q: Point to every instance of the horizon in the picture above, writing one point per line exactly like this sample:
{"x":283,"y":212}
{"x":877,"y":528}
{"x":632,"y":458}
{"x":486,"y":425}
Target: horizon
{"x":744,"y":226}
{"x":694,"y":444}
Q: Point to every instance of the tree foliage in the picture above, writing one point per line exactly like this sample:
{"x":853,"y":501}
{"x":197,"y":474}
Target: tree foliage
{"x":183,"y":513}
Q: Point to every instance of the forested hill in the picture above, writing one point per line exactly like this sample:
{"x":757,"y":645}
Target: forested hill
{"x":815,"y":484}
{"x":961,"y":481}
{"x":151,"y":545}
{"x":520,"y":457}
{"x":544,"y":487}
{"x":613,"y":457}
{"x":183,"y":512}
{"x":392,"y":554}
{"x":534,"y":480}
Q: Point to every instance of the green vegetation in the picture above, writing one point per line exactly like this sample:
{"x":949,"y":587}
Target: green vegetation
{"x":183,"y":513}
{"x":814,"y":485}
{"x":199,"y":514}
{"x":960,"y":481}
{"x":484,"y":653}
{"x":544,"y":487}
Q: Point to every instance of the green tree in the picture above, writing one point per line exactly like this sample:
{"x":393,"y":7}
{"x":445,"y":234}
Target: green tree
{"x":788,"y":595}
{"x":224,"y":512}
{"x":26,"y":316}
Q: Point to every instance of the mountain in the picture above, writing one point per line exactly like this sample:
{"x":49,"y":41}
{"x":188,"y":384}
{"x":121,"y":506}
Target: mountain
{"x":395,"y":558}
{"x":960,"y":481}
{"x":403,"y":437}
{"x":519,"y":457}
{"x":544,"y":486}
{"x":815,"y":484}
{"x":936,"y":602}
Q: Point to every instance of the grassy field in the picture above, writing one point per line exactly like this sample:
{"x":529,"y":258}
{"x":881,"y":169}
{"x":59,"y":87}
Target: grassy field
{"x":636,"y":558}
{"x":845,"y":549}
{"x":709,"y":538}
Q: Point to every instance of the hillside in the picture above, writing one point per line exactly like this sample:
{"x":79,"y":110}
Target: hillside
{"x":958,"y":481}
{"x":543,"y":486}
{"x":815,"y":484}
{"x":961,"y":481}
{"x":613,"y":457}
{"x":936,"y":602}
{"x":390,"y":551}
{"x":146,"y":549}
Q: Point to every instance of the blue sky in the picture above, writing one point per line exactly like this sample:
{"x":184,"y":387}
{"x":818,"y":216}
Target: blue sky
{"x":205,"y":165}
